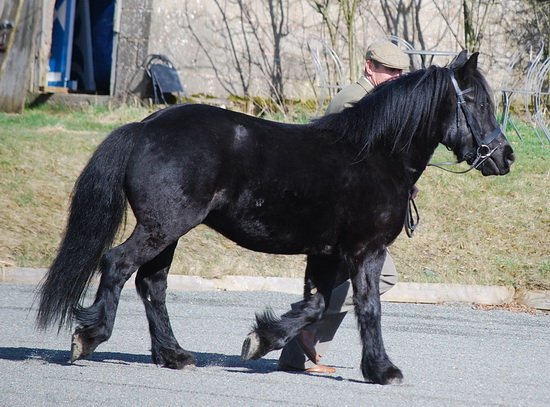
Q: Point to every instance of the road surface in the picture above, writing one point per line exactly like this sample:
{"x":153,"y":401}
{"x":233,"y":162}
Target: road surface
{"x":450,"y":355}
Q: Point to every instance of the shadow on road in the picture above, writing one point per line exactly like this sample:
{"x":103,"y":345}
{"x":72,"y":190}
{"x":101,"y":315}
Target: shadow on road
{"x":47,"y":355}
{"x":61,"y":357}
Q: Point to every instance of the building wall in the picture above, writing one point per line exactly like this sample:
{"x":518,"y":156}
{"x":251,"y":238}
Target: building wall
{"x":17,"y":63}
{"x":214,"y":56}
{"x":132,"y":35}
{"x":192,"y":33}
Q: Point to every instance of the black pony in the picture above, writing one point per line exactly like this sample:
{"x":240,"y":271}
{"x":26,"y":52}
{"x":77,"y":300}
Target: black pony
{"x":335,"y":189}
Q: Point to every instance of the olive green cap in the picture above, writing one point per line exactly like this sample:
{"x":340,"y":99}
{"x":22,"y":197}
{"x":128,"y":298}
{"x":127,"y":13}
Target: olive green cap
{"x":388,"y":54}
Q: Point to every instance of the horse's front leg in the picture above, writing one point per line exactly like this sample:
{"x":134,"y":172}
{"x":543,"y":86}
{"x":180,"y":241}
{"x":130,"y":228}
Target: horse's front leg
{"x":271,"y":332}
{"x":375,"y":364}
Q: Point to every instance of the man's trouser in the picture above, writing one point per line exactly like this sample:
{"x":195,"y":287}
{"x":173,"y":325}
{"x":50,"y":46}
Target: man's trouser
{"x":341,"y":301}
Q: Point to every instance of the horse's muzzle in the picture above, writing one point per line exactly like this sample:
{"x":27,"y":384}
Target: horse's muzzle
{"x":499,"y":162}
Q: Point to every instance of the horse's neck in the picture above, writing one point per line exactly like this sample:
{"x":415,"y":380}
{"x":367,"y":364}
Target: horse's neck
{"x":416,"y":160}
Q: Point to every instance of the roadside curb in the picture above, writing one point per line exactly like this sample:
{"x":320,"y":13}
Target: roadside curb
{"x":402,"y":292}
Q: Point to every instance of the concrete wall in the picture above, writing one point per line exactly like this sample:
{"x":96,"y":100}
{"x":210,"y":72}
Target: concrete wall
{"x":206,"y":42}
{"x":192,"y":33}
{"x":132,"y":35}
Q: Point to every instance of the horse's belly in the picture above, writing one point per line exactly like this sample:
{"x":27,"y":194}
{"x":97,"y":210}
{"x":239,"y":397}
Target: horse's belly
{"x":267,"y":237}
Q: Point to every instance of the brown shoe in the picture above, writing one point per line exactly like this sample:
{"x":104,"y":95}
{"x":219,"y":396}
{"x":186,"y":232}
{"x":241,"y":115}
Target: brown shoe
{"x":321,"y":369}
{"x":316,"y":369}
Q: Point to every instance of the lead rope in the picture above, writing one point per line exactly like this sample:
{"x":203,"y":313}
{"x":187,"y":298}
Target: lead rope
{"x":412,"y":218}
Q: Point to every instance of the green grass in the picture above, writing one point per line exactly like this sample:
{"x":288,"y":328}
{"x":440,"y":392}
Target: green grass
{"x":474,"y":229}
{"x":483,"y":230}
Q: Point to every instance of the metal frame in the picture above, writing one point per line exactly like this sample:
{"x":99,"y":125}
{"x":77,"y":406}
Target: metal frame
{"x":329,"y":70}
{"x":531,"y":89}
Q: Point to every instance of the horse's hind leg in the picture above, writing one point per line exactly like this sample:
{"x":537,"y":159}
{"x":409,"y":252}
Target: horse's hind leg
{"x":151,"y":287}
{"x":95,"y":323}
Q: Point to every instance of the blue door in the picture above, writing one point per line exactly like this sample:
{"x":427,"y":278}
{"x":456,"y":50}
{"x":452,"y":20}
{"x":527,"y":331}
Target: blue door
{"x":62,"y":44}
{"x":82,"y":45}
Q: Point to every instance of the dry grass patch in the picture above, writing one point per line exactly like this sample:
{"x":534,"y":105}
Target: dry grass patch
{"x":474,"y":229}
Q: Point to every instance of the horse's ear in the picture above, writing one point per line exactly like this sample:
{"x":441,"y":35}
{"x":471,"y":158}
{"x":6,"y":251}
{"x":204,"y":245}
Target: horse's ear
{"x":472,"y":62}
{"x":467,"y":67}
{"x":459,"y":60}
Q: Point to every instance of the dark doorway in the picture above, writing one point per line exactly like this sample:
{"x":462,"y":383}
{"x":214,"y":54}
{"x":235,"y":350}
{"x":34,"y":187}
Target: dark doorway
{"x":82,"y":46}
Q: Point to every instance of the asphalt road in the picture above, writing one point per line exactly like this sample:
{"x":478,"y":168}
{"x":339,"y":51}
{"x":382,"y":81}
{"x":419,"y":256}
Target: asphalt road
{"x":451,"y":355}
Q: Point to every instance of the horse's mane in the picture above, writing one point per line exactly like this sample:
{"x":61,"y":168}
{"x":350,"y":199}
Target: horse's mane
{"x":393,"y":113}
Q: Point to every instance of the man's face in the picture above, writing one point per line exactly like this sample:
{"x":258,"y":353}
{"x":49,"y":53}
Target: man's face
{"x":378,"y":73}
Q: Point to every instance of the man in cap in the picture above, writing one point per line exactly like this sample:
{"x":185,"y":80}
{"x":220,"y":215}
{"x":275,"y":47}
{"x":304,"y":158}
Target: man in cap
{"x":383,"y":61}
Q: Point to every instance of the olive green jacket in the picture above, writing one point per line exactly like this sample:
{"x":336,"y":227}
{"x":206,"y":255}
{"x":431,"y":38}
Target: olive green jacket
{"x":349,"y":95}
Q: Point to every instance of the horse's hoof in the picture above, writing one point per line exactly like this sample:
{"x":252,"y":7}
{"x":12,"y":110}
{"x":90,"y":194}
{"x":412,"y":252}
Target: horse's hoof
{"x":386,"y":375}
{"x":251,"y":347}
{"x":76,"y":348}
{"x":392,"y":376}
{"x":79,"y":348}
{"x":179,"y":364}
{"x":81,"y":345}
{"x":178,"y":359}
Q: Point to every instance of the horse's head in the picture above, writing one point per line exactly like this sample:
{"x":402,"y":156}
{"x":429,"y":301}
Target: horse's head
{"x":475,"y":136}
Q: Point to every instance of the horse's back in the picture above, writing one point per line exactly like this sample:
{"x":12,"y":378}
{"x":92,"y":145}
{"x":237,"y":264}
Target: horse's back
{"x":235,"y":143}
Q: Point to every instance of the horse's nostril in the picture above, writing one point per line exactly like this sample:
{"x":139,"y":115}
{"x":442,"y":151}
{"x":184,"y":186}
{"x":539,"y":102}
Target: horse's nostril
{"x":510,"y":157}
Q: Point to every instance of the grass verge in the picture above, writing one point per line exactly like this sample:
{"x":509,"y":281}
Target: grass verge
{"x":473,"y":229}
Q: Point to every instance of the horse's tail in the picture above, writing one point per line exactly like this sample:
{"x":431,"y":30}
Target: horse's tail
{"x":97,"y":209}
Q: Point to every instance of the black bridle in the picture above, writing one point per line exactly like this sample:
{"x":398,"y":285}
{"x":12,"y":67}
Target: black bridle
{"x":482,"y":141}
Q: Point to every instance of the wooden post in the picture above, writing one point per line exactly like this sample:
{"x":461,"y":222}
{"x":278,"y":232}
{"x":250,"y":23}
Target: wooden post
{"x":17,"y":61}
{"x":9,"y":12}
